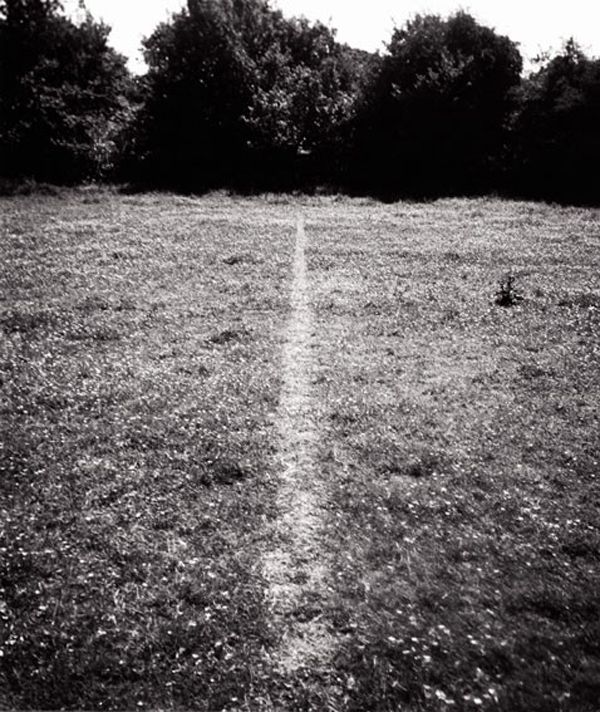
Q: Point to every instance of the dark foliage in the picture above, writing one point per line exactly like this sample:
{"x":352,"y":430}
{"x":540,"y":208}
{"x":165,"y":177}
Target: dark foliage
{"x":508,"y":294}
{"x":556,"y":130}
{"x":62,"y":93}
{"x":239,"y":95}
{"x":433,"y":120}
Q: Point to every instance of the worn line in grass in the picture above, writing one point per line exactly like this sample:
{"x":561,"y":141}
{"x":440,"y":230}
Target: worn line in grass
{"x":295,"y":569}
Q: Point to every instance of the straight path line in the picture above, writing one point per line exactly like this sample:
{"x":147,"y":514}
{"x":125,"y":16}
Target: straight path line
{"x":295,"y":569}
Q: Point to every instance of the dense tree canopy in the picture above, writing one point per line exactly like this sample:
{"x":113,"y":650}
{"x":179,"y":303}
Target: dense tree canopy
{"x":61,"y":92}
{"x":236,"y":92}
{"x":238,"y":95}
{"x":433,"y":119}
{"x":557,"y":129}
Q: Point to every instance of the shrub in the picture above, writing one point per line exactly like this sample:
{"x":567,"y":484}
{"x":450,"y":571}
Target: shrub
{"x":508,"y":293}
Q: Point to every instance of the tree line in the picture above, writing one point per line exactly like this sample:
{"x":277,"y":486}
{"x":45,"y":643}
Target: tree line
{"x":236,"y":95}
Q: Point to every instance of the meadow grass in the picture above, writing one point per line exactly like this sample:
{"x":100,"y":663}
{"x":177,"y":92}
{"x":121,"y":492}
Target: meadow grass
{"x":140,"y":375}
{"x":462,"y":443}
{"x":139,"y":366}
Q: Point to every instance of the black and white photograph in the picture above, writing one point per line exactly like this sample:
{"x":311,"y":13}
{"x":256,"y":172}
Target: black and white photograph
{"x":300,"y":355}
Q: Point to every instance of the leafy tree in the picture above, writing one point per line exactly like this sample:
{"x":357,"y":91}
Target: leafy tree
{"x":433,"y":119}
{"x":298,"y":110}
{"x":236,"y":92}
{"x":198,"y":85}
{"x":62,"y":93}
{"x":557,"y":140}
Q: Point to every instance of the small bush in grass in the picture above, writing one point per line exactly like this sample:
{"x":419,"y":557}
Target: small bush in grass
{"x":508,"y":293}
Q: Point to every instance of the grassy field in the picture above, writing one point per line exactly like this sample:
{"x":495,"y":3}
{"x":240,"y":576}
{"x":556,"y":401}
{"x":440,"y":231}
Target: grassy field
{"x":140,"y":368}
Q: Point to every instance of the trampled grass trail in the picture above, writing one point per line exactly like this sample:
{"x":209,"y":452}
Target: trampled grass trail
{"x":295,"y":568}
